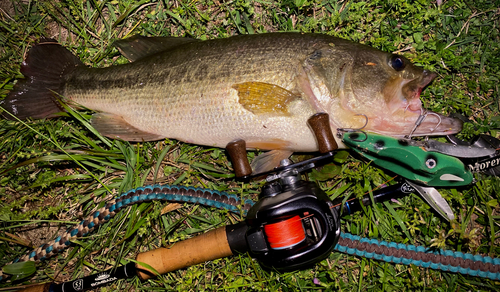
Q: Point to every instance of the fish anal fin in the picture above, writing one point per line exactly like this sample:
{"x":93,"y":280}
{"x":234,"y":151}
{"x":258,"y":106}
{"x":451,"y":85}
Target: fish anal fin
{"x":269,"y":160}
{"x":116,"y":127}
{"x":264,"y":98}
{"x":139,"y":47}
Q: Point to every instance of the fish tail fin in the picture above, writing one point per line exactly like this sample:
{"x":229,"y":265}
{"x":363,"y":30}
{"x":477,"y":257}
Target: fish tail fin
{"x":44,"y":69}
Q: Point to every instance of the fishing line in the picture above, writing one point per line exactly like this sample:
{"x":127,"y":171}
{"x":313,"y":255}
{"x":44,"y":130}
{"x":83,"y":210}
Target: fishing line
{"x":286,"y":233}
{"x":290,"y":231}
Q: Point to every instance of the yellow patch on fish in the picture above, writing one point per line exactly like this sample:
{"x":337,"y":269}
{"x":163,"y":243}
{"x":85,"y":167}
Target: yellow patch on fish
{"x":264,"y":98}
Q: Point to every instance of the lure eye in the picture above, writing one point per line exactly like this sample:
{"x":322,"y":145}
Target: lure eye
{"x":397,"y":62}
{"x":430,"y":163}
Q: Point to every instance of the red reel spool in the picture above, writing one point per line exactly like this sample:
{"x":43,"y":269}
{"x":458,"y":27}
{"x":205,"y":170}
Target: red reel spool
{"x":286,"y":233}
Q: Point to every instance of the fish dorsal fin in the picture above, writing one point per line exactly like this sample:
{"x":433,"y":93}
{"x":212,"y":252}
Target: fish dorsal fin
{"x":264,"y":98}
{"x":116,"y":127}
{"x":138,"y":47}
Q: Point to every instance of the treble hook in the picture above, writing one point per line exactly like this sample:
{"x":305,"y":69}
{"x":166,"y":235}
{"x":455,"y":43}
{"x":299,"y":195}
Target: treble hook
{"x":420,"y":119}
{"x":439,"y":118}
{"x":341,"y":131}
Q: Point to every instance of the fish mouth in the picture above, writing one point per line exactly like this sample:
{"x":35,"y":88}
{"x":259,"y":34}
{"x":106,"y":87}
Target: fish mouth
{"x":411,"y":91}
{"x":425,"y":123}
{"x":409,"y":118}
{"x":434,"y":124}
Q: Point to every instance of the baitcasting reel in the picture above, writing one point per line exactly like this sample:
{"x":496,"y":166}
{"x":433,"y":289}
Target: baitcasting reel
{"x":294,"y":224}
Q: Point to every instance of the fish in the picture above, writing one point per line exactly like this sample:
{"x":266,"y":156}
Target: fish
{"x":260,"y":88}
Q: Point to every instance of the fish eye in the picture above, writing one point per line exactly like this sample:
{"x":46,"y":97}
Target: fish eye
{"x":397,"y":62}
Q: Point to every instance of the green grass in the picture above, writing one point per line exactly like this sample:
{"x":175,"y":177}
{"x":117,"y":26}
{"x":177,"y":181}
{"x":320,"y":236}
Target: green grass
{"x":55,"y":172}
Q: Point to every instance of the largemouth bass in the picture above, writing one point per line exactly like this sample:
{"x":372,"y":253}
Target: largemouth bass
{"x":259,"y":88}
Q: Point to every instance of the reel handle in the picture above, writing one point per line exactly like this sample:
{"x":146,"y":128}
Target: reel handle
{"x":320,"y":125}
{"x":238,"y":153}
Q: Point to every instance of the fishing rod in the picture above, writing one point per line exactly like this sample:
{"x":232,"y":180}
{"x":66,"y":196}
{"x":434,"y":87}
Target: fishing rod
{"x":292,"y":226}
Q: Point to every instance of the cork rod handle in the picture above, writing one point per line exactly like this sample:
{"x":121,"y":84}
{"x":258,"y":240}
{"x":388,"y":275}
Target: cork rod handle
{"x":209,"y":246}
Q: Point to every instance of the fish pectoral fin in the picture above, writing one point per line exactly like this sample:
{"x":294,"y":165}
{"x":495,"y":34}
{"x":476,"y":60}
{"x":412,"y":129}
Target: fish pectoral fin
{"x":116,"y":127}
{"x":264,"y":98}
{"x":269,"y":160}
{"x":138,"y":47}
